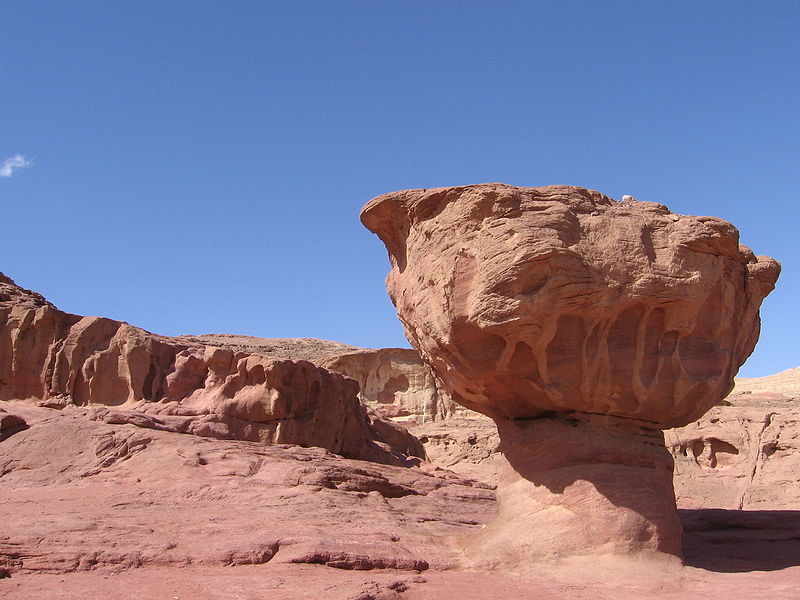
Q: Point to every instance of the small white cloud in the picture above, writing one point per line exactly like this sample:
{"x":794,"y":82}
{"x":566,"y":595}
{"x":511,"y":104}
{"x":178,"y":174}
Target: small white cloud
{"x":11,"y":164}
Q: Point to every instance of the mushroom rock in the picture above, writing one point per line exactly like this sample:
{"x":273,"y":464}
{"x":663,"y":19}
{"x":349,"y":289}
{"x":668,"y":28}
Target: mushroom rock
{"x":583,"y":326}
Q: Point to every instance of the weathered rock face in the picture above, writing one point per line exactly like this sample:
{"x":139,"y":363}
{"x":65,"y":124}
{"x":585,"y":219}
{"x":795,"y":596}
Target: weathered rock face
{"x":172,"y":501}
{"x":395,"y":382}
{"x":542,"y":306}
{"x":467,"y":444}
{"x":529,"y":300}
{"x":744,"y":454}
{"x":59,"y":359}
{"x":584,"y":484}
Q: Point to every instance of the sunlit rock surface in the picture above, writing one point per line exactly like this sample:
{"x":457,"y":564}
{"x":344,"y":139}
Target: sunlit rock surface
{"x":60,"y":359}
{"x":395,"y":382}
{"x":558,"y":310}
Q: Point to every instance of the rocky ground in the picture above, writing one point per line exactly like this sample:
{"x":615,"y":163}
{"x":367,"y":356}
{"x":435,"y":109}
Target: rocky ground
{"x":92,"y":509}
{"x":86,"y":497}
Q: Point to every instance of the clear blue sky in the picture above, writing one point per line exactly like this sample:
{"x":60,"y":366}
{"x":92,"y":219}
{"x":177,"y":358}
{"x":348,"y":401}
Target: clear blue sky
{"x":199,"y":166}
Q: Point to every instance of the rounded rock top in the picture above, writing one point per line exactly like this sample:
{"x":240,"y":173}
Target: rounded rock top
{"x":526,"y":301}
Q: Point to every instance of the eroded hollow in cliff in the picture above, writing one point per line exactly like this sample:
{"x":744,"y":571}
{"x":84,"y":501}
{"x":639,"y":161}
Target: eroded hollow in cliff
{"x":395,"y":384}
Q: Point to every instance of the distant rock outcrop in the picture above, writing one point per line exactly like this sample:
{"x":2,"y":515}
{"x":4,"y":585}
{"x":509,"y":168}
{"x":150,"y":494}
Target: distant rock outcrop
{"x":744,"y":454}
{"x":311,"y":349}
{"x":786,"y":383}
{"x":396,"y":383}
{"x":583,"y":327}
{"x":59,"y":359}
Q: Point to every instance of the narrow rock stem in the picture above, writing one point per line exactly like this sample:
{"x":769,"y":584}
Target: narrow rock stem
{"x":577,"y":484}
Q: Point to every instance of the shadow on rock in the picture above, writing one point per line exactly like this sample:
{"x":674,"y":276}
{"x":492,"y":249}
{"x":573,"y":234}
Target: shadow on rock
{"x":737,"y":541}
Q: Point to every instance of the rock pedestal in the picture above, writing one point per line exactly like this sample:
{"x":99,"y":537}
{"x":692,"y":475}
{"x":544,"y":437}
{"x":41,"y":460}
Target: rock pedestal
{"x":583,"y":326}
{"x":581,"y":483}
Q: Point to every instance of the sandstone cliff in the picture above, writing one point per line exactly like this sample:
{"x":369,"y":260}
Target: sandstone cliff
{"x":61,"y":359}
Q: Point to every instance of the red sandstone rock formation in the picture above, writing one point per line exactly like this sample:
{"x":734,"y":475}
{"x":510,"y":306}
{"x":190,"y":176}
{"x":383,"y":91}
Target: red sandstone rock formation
{"x":166,"y":383}
{"x":163,"y":500}
{"x":583,"y":327}
{"x":92,"y":510}
{"x":744,"y":454}
{"x":395,"y":382}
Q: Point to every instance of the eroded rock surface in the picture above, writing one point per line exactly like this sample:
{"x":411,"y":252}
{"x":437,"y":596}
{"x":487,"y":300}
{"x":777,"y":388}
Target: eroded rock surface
{"x":528,"y":300}
{"x":82,"y":494}
{"x":60,"y":359}
{"x":396,"y":383}
{"x":744,"y":454}
{"x":92,"y":509}
{"x":558,"y":309}
{"x":467,"y":444}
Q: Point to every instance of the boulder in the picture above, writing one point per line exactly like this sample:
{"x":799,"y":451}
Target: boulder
{"x":10,"y":423}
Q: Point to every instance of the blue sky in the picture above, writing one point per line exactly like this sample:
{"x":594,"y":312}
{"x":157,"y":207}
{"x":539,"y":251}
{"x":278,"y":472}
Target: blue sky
{"x":199,"y":166}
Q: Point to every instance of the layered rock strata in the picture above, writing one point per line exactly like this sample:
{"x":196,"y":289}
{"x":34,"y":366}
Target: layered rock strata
{"x":59,"y":359}
{"x":583,"y":326}
{"x":170,"y":501}
{"x":174,"y":515}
